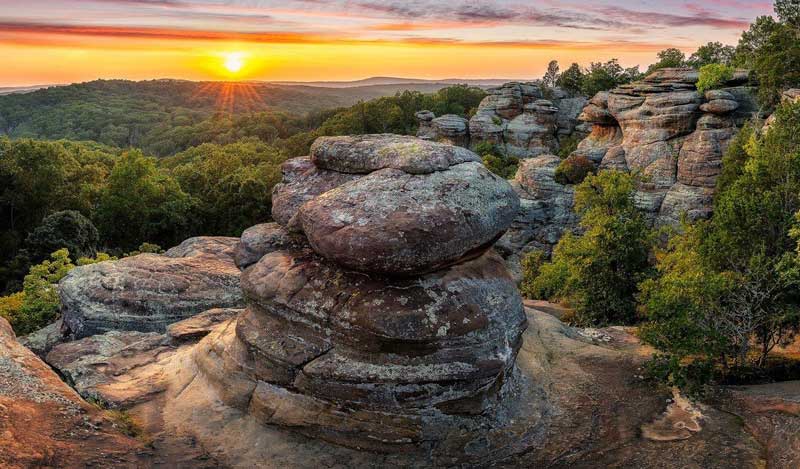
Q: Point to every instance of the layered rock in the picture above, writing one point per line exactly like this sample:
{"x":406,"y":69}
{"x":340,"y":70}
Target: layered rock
{"x":662,"y":129}
{"x":515,"y":118}
{"x":148,"y":292}
{"x":396,"y":321}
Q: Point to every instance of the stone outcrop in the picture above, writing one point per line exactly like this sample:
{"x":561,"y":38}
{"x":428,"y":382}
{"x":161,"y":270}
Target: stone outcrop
{"x":662,"y":129}
{"x":45,"y":423}
{"x":515,"y":117}
{"x":148,"y":292}
{"x":394,"y":359}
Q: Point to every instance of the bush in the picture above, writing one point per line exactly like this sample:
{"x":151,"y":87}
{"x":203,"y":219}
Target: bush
{"x":10,"y":306}
{"x":597,"y":272}
{"x":495,"y":161}
{"x":66,"y":229}
{"x":714,"y":76}
{"x":532,"y":263}
{"x":567,"y":146}
{"x":573,"y":170}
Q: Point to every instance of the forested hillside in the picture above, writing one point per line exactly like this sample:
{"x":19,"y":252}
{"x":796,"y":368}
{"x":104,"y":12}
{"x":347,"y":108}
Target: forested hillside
{"x":165,"y":116}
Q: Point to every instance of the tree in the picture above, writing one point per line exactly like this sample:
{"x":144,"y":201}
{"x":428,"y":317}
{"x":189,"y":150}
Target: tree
{"x":713,"y":76}
{"x":668,"y":58}
{"x":605,"y":76}
{"x":66,"y":229}
{"x":711,"y":53}
{"x":142,"y":203}
{"x":496,"y":161}
{"x":597,"y":272}
{"x":571,"y":80}
{"x":788,"y":11}
{"x":551,"y":76}
{"x":730,"y":283}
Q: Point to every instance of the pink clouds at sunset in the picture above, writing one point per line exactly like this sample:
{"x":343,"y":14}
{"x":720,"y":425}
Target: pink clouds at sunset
{"x":50,"y":41}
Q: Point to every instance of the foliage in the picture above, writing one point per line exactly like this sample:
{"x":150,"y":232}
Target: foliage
{"x":142,"y":202}
{"x":571,"y":79}
{"x":10,"y":306}
{"x":711,"y":53}
{"x":597,"y":272}
{"x":605,"y":76}
{"x":771,"y":50}
{"x":668,"y":58}
{"x":531,"y":264}
{"x":713,"y":76}
{"x":727,"y":289}
{"x":145,"y":248}
{"x":231,"y":184}
{"x":788,"y":11}
{"x":568,"y":145}
{"x":573,"y":170}
{"x":65,"y":229}
{"x":496,"y":161}
{"x":551,"y":76}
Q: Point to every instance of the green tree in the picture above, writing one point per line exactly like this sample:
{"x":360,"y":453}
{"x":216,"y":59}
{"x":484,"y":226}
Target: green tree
{"x":712,"y":53}
{"x":66,"y":229}
{"x":731,"y":283}
{"x":571,"y":80}
{"x":232,"y":183}
{"x":668,"y":58}
{"x":496,"y":161}
{"x":788,"y":11}
{"x":597,"y":272}
{"x":551,"y":75}
{"x":142,"y":203}
{"x":605,"y":76}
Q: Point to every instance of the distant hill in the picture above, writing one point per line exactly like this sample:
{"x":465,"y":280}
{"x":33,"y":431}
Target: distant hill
{"x":487,"y":82}
{"x":22,"y":89}
{"x":163,"y":115}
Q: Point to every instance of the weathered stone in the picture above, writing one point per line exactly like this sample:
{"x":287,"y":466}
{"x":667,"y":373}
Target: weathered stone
{"x":302,"y":181}
{"x":451,"y":129}
{"x":148,"y":292}
{"x":40,"y":342}
{"x":367,"y":153}
{"x":394,"y":222}
{"x":200,"y":325}
{"x":213,"y":247}
{"x":262,"y":239}
{"x":720,"y":106}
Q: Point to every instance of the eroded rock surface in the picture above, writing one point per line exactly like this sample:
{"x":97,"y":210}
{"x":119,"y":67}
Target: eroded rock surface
{"x":148,"y":292}
{"x":662,"y":129}
{"x":44,"y":423}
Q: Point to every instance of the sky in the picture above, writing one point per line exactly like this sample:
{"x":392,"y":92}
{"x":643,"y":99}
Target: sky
{"x":66,"y":41}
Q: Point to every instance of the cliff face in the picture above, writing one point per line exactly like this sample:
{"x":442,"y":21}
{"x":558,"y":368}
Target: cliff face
{"x":515,"y":117}
{"x":661,"y":128}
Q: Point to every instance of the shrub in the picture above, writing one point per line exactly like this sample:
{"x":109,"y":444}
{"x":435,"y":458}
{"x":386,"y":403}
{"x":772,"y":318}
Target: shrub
{"x":41,"y":303}
{"x":713,"y":76}
{"x":598,"y":271}
{"x":567,"y":146}
{"x":66,"y":229}
{"x":495,"y":161}
{"x":531,"y":265}
{"x":10,"y":306}
{"x":573,"y":170}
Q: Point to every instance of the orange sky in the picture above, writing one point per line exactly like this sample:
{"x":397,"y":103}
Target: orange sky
{"x":343,"y":40}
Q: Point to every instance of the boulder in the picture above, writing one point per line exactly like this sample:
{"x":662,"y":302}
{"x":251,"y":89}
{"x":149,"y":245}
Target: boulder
{"x":451,"y":129}
{"x":259,"y":240}
{"x":364,"y":154}
{"x":720,"y":106}
{"x":394,"y":222}
{"x":148,"y":292}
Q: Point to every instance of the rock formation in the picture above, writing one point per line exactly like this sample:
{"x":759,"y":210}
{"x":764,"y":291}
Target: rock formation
{"x":44,"y":423}
{"x":395,"y":322}
{"x":515,"y":117}
{"x":662,"y":129}
{"x":148,"y":292}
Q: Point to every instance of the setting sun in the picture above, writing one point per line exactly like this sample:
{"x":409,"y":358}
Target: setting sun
{"x":234,"y":62}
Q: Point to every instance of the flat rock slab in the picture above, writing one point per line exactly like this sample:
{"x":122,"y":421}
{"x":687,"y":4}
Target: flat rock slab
{"x":396,"y":223}
{"x":149,"y":291}
{"x":364,"y":154}
{"x":199,"y":326}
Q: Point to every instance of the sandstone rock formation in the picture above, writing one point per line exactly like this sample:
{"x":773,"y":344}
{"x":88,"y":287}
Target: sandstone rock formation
{"x":44,"y":423}
{"x":393,"y":360}
{"x":515,"y":117}
{"x":148,"y":292}
{"x":662,"y":129}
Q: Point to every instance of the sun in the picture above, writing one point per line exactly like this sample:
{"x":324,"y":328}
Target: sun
{"x":234,"y":61}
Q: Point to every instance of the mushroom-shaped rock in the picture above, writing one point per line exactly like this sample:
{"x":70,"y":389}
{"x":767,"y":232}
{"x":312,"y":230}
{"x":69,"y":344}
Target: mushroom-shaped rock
{"x":367,"y":153}
{"x":394,"y":222}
